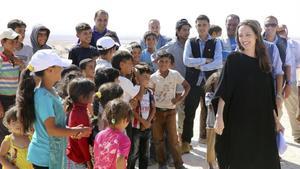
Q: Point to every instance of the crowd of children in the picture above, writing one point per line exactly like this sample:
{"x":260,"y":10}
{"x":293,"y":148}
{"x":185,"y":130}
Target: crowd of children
{"x":107,"y":106}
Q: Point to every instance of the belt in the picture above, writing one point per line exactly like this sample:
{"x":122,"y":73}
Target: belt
{"x":162,"y":109}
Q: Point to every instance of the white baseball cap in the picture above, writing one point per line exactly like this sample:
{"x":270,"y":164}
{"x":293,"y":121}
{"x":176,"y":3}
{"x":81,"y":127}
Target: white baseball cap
{"x":8,"y":34}
{"x":105,"y":43}
{"x":46,"y":58}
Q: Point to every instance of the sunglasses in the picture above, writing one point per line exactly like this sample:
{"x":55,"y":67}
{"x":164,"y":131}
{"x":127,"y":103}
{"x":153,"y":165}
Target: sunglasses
{"x":271,"y":25}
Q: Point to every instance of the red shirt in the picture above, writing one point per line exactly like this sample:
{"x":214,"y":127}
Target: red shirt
{"x":78,"y":149}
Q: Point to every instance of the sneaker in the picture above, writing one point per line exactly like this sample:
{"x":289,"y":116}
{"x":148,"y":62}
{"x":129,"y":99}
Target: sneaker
{"x":185,"y":148}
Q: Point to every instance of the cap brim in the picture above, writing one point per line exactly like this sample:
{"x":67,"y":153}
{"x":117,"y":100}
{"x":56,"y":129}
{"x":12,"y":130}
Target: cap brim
{"x":65,"y":62}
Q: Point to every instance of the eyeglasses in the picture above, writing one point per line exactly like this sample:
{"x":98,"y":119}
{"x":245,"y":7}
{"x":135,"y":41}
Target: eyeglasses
{"x":271,"y":25}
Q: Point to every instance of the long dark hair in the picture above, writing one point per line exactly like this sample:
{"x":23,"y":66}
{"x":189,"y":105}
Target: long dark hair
{"x":25,"y":99}
{"x":79,"y":87}
{"x":260,"y":49}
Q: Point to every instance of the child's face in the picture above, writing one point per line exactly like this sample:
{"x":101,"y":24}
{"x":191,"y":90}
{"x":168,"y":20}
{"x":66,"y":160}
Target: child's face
{"x":89,"y":70}
{"x":21,"y":32}
{"x":54,"y":73}
{"x":164,"y":64}
{"x":42,"y":37}
{"x":216,"y":34}
{"x":9,"y":44}
{"x":126,"y":67}
{"x":15,"y":127}
{"x":85,"y":36}
{"x":143,"y":79}
{"x":136,"y":53}
{"x":150,"y":42}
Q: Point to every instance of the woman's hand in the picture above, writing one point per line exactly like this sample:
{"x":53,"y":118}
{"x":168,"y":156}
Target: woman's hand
{"x":278,"y":125}
{"x":219,"y":125}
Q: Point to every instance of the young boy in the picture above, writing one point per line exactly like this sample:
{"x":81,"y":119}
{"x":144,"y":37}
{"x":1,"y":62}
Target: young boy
{"x":83,"y":49}
{"x":164,"y":82}
{"x":10,"y":67}
{"x":106,"y":47}
{"x":39,"y":37}
{"x":141,"y":124}
{"x":87,"y":67}
{"x":22,"y":51}
{"x":215,"y":31}
{"x":150,"y":39}
{"x":136,"y":51}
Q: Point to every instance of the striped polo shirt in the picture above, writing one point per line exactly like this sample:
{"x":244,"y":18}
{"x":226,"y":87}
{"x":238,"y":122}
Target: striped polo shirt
{"x":9,"y":76}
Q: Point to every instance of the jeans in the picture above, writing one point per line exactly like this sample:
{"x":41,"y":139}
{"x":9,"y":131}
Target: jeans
{"x":139,"y":148}
{"x":166,"y":122}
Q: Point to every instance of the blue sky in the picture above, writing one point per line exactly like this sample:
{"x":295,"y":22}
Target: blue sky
{"x":129,"y":17}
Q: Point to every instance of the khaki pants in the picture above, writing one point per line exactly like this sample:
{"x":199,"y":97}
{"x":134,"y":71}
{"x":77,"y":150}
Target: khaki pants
{"x":166,"y":121}
{"x":211,"y":139}
{"x":291,"y":104}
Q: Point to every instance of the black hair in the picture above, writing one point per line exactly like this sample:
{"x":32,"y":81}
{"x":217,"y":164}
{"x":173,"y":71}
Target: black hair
{"x":62,"y":85}
{"x":109,"y":91}
{"x":104,"y":52}
{"x":120,"y":56}
{"x":134,"y":45}
{"x":82,"y":27}
{"x":101,"y":11}
{"x":105,"y":75}
{"x":84,"y":62}
{"x":79,"y":87}
{"x":10,"y":115}
{"x":214,"y":28}
{"x":142,"y":68}
{"x":69,"y":69}
{"x":117,"y":110}
{"x":165,"y":54}
{"x":149,"y":33}
{"x":25,"y":98}
{"x":202,"y":17}
{"x":234,"y":16}
{"x":16,"y":23}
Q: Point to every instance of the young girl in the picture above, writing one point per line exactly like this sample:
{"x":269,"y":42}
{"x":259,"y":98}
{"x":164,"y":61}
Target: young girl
{"x":81,"y":92}
{"x":42,"y":108}
{"x":112,"y":146}
{"x":212,"y":105}
{"x":13,"y":151}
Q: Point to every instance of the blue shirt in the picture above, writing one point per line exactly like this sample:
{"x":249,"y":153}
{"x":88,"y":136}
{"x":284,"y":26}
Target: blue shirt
{"x":229,"y":45}
{"x":45,"y":150}
{"x":274,"y":57}
{"x":146,"y":57}
{"x":161,"y":41}
{"x":199,"y":63}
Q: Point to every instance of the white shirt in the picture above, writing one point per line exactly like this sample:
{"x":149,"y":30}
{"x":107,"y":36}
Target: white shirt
{"x":293,"y":48}
{"x":130,"y":91}
{"x":165,"y":88}
{"x":102,"y":64}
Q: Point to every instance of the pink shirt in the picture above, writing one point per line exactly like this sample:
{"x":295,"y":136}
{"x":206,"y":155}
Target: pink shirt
{"x":108,"y":146}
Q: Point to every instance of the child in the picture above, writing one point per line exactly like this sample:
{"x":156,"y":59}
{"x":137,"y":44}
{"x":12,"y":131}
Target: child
{"x":136,"y":51}
{"x":39,"y":37}
{"x":13,"y":151}
{"x":87,"y":67}
{"x":83,"y":49}
{"x":122,"y":61}
{"x":22,"y":51}
{"x":215,"y":31}
{"x":112,"y":146}
{"x":10,"y":67}
{"x":41,"y":107}
{"x":106,"y":47}
{"x":164,"y":82}
{"x":212,"y":105}
{"x":150,"y":39}
{"x":81,"y":92}
{"x":141,"y":124}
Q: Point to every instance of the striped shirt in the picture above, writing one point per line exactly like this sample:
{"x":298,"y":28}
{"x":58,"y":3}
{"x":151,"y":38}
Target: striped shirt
{"x":9,"y":76}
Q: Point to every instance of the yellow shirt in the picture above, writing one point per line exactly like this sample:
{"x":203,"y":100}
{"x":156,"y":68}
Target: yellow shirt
{"x":17,"y":155}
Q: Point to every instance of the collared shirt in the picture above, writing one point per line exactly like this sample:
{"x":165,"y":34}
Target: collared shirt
{"x":161,"y":41}
{"x":200,"y":63}
{"x":274,"y":57}
{"x":293,"y":47}
{"x":146,"y":57}
{"x":229,"y":45}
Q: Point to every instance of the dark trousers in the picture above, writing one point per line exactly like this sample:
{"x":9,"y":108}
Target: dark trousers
{"x":7,"y":102}
{"x":140,"y":142}
{"x":166,"y":121}
{"x":191,"y":103}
